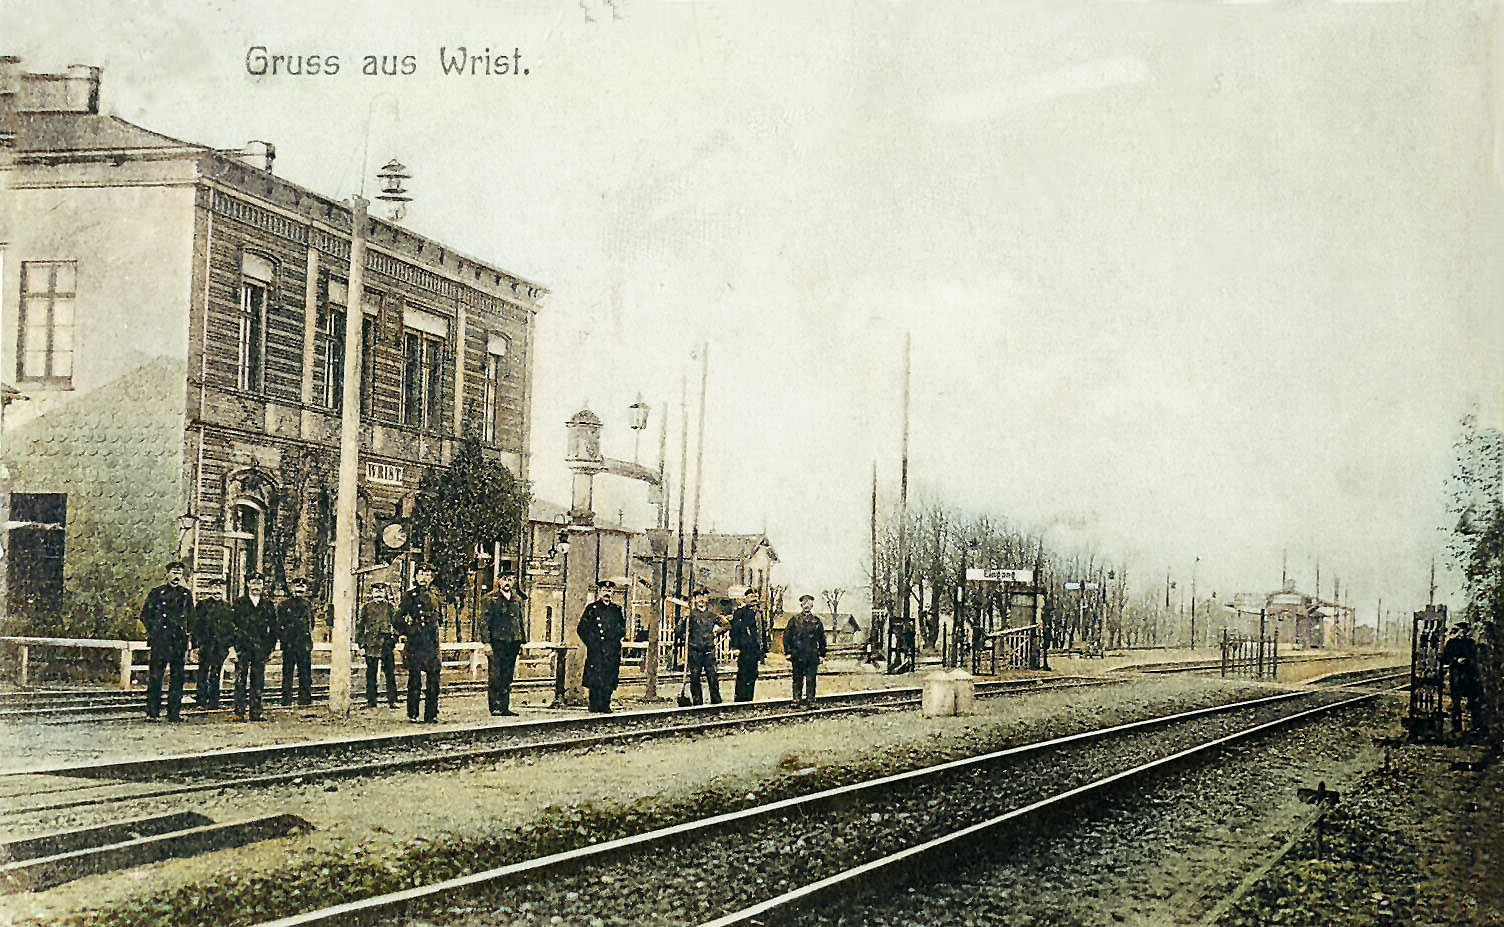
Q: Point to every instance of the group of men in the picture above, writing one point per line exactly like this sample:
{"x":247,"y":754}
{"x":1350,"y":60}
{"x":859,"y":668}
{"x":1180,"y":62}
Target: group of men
{"x":253,"y":625}
{"x":603,"y":626}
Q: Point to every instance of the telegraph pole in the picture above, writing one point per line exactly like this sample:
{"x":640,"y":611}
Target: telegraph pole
{"x":346,"y":542}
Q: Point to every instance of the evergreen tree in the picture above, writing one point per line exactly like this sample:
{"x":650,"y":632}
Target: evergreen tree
{"x":475,"y":501}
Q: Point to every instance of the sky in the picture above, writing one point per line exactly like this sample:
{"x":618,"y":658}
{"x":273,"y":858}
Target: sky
{"x":1185,"y":283}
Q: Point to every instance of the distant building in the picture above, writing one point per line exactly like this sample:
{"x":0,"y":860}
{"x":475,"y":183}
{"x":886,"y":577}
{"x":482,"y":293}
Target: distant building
{"x":174,"y":316}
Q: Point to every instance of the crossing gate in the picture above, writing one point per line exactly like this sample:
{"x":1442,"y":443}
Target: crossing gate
{"x":1010,"y":648}
{"x":1425,"y":718}
{"x":1254,"y":657}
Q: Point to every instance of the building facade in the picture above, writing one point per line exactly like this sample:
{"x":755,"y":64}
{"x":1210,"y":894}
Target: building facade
{"x":174,"y":319}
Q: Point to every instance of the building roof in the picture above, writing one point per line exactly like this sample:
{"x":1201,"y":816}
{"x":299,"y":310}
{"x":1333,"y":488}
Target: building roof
{"x":48,"y":133}
{"x":722,"y":547}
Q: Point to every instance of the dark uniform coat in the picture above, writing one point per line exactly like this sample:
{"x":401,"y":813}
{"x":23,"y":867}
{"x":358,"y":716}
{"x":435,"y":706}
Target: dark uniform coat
{"x":213,"y":627}
{"x":373,"y":625}
{"x":804,"y":638}
{"x":502,"y":619}
{"x":602,"y":628}
{"x":418,"y":619}
{"x":295,"y":625}
{"x":165,"y":615}
{"x":255,"y":628}
{"x":746,"y":635}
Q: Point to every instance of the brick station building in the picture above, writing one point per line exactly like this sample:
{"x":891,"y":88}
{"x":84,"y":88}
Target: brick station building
{"x":173,"y":320}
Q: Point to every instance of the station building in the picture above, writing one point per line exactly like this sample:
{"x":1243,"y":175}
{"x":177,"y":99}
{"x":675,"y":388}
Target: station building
{"x":173,"y":321}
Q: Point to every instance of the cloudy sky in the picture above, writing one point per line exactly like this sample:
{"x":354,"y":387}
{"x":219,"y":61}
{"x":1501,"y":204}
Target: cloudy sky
{"x":1182,"y":279}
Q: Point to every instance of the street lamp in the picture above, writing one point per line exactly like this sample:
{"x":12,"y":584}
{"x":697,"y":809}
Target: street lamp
{"x":638,"y":411}
{"x":392,"y":191}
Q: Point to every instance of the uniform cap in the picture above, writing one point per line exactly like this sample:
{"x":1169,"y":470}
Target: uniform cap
{"x":806,"y":598}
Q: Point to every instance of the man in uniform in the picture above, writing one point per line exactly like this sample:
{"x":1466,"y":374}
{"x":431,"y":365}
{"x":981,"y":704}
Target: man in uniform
{"x":704,"y":627}
{"x":746,"y":638}
{"x":255,"y":620}
{"x":1460,"y":656}
{"x":602,"y":627}
{"x":501,"y":630}
{"x":418,"y":618}
{"x":165,"y":615}
{"x":378,"y":641}
{"x":295,"y":633}
{"x":212,"y":632}
{"x":804,"y":642}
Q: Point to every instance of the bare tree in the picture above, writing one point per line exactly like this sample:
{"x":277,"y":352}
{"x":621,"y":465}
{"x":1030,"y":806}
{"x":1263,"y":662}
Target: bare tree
{"x":832,"y":599}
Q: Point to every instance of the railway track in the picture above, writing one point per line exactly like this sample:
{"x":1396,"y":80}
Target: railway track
{"x":776,"y":862}
{"x":58,"y":788}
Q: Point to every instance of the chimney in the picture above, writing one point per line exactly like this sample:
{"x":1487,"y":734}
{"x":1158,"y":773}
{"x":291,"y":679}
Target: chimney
{"x":83,"y":88}
{"x":255,"y":150}
{"x":10,"y":75}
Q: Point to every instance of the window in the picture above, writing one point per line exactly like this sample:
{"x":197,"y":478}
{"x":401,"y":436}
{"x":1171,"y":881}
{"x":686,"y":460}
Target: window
{"x":329,"y":389}
{"x":496,"y":370}
{"x":44,"y":349}
{"x":329,"y":384}
{"x":256,"y":275}
{"x":423,"y":343}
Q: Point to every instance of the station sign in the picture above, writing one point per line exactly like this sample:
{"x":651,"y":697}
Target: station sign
{"x":1076,"y":585}
{"x":988,"y":575}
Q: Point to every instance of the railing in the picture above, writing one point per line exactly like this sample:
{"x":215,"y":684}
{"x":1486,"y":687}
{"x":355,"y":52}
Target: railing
{"x":124,"y":659}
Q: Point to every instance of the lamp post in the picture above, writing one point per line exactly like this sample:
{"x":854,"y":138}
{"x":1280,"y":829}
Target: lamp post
{"x":188,"y":550}
{"x":481,"y":559}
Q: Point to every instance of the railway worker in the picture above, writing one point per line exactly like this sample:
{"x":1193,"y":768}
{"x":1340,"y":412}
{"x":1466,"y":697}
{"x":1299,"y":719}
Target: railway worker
{"x":255,"y":621}
{"x":165,"y":614}
{"x":295,"y":633}
{"x":377,"y":638}
{"x":212,"y":634}
{"x":804,"y":642}
{"x":746,"y":638}
{"x":704,"y":627}
{"x":501,"y":630}
{"x":601,"y":628}
{"x":1460,"y":656}
{"x":418,"y":619}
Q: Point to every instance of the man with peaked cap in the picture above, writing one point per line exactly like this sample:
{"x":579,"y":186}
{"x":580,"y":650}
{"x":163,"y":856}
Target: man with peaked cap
{"x":746,"y":639}
{"x":378,"y":641}
{"x":501,"y":629}
{"x":165,"y":615}
{"x":418,"y":619}
{"x":255,"y":619}
{"x":295,"y":632}
{"x":602,"y":627}
{"x":212,"y":633}
{"x":804,"y":642}
{"x":704,"y":627}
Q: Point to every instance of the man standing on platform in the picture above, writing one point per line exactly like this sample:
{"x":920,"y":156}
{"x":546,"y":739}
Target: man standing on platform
{"x":255,"y":620}
{"x":746,"y":638}
{"x":165,"y":615}
{"x":704,"y":627}
{"x":213,"y":632}
{"x":804,"y":642}
{"x":501,"y":629}
{"x":602,"y":628}
{"x":418,"y":619}
{"x":295,"y":631}
{"x":378,"y":641}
